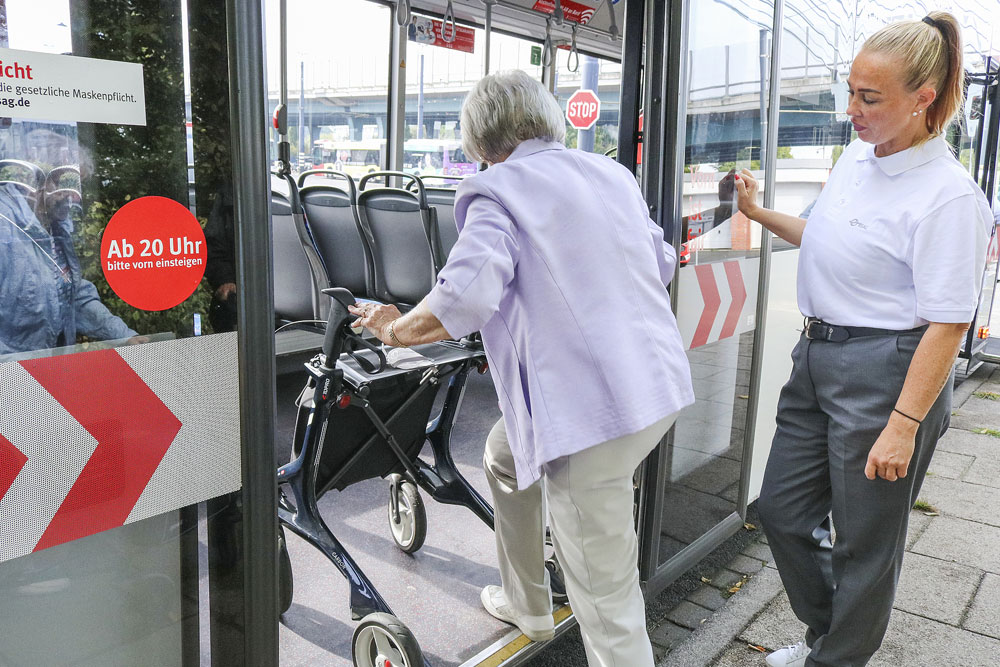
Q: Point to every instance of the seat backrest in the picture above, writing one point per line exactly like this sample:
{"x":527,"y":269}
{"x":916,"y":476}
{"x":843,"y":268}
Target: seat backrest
{"x":333,"y":220}
{"x":293,"y":285}
{"x":402,"y":233}
{"x":443,"y":201}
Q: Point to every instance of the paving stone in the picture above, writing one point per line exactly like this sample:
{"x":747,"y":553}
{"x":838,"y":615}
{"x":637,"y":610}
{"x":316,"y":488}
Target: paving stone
{"x":968,"y":422}
{"x":912,"y":641}
{"x":745,"y":565}
{"x":960,"y":441}
{"x":724,"y":579}
{"x":935,"y":589}
{"x":668,"y":635}
{"x":708,"y":597}
{"x":984,"y":471}
{"x":981,"y":407}
{"x":983,"y":616}
{"x":688,"y":615}
{"x":961,"y":541}
{"x":760,"y":551}
{"x":917,"y":525}
{"x":775,"y":627}
{"x":963,"y":500}
{"x":949,"y":464}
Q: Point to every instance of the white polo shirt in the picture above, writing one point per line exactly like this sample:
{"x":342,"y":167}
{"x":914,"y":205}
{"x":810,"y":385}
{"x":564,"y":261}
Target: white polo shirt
{"x":895,"y":242}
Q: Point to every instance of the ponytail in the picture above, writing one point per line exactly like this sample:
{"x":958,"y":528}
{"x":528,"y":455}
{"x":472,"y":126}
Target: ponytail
{"x":931,"y":53}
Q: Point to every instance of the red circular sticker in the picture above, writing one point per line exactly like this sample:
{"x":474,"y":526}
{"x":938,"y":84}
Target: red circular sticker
{"x":153,"y":253}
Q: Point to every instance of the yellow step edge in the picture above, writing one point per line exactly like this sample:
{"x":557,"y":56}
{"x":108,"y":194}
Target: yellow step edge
{"x":520,"y":642}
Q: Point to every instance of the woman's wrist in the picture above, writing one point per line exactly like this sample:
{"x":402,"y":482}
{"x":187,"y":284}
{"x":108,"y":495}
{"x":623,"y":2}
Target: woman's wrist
{"x":903,"y":422}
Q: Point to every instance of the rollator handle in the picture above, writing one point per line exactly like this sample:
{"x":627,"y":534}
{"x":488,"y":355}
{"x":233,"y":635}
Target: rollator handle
{"x":336,"y":323}
{"x":339,"y":337}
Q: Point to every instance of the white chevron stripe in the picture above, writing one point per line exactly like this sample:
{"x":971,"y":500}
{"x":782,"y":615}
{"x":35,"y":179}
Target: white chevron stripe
{"x":57,"y":447}
{"x":197,"y":379}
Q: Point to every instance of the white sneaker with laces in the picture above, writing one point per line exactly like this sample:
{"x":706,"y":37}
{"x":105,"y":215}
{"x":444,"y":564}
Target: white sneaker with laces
{"x":535,"y":628}
{"x":790,"y":656}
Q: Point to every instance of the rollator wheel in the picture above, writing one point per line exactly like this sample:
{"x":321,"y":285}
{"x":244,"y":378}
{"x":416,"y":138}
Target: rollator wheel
{"x":285,"y":583}
{"x":381,"y":640}
{"x":410,"y":531}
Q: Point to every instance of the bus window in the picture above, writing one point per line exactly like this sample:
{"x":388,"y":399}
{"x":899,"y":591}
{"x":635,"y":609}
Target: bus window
{"x":345,"y":131}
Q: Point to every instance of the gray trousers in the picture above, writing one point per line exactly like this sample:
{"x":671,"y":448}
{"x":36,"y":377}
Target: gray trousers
{"x":833,"y":408}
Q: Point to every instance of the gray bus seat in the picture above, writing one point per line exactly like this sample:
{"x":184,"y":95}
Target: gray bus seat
{"x":293,"y":286}
{"x":333,"y":219}
{"x":443,"y":201}
{"x":401,"y":230}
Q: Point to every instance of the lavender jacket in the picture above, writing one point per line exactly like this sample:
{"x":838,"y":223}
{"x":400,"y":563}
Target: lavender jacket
{"x":559,"y":266}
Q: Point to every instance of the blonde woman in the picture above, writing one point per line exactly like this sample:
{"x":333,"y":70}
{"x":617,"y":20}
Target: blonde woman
{"x":890,"y":270}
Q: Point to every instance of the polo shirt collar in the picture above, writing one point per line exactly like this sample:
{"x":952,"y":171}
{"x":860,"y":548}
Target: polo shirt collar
{"x":532,"y":146}
{"x":897,"y":163}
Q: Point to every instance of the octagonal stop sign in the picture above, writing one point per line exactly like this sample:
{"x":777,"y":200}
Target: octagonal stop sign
{"x":583,"y":109}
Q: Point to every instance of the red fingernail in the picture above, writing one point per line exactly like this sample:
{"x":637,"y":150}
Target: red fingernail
{"x":737,"y":177}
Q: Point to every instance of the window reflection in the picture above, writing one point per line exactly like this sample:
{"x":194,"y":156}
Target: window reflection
{"x":717,"y":282}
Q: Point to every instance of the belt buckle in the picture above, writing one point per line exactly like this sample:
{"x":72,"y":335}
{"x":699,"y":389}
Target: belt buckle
{"x":818,"y":330}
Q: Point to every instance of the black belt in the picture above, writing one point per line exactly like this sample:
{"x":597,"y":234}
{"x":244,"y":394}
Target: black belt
{"x":815,"y":329}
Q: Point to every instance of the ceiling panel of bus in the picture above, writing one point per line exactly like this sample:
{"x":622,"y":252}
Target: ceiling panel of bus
{"x":521,"y":17}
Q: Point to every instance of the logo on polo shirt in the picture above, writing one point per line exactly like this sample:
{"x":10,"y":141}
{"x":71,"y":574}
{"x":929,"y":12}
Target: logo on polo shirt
{"x":857,"y":223}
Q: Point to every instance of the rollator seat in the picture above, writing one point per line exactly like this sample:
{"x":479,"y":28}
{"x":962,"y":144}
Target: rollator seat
{"x":350,"y":429}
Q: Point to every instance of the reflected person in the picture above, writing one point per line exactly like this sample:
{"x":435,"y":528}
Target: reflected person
{"x":890,"y":270}
{"x":560,"y":268}
{"x":44,"y":300}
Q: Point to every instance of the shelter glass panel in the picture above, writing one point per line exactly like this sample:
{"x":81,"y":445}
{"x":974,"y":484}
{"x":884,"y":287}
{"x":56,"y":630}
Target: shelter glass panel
{"x":115,"y":155}
{"x":720,"y":254}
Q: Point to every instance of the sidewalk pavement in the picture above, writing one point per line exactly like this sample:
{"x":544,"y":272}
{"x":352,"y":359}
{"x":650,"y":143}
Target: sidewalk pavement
{"x":947,"y":609}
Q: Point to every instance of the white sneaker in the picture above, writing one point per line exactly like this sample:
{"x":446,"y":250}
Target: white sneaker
{"x":535,"y":628}
{"x":790,"y":656}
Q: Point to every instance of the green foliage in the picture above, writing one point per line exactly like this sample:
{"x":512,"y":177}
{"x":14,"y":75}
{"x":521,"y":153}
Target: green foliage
{"x":120,"y":163}
{"x":604,"y":140}
{"x":837,"y":152}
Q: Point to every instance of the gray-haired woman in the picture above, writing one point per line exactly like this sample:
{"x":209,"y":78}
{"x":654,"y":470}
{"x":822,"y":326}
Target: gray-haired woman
{"x":889,"y":276}
{"x":559,"y":266}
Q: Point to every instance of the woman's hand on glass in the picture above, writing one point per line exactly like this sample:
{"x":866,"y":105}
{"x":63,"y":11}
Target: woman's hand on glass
{"x":746,"y":193}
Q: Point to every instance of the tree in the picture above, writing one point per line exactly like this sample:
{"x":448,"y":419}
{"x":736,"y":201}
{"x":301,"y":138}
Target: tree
{"x":120,"y":163}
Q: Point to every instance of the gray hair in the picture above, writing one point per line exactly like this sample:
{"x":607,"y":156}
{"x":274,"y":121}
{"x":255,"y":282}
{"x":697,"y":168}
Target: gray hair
{"x":504,"y":109}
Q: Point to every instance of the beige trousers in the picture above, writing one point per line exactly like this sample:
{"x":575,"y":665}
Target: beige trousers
{"x":590,"y":506}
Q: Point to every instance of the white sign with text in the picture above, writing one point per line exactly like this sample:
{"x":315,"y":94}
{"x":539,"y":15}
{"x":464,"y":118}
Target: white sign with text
{"x":47,"y":86}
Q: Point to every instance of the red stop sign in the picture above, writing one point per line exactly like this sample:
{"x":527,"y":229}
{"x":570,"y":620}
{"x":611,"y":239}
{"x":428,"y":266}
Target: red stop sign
{"x":583,"y":109}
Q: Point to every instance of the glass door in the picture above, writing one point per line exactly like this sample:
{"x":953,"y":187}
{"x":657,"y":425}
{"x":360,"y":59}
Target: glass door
{"x":124,"y":485}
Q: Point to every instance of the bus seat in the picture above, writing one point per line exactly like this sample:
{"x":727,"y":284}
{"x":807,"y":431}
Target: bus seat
{"x":443,"y":201}
{"x":401,"y":230}
{"x":293,"y":285}
{"x":333,"y":219}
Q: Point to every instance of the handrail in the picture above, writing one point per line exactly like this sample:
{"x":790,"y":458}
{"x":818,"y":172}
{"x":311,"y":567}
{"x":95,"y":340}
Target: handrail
{"x":449,"y":16}
{"x":547,"y":45}
{"x":574,"y":55}
{"x":353,"y":189}
{"x":403,"y":13}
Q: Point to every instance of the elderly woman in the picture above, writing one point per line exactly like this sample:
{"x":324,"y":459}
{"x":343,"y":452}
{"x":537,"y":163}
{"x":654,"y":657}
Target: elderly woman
{"x":559,"y":266}
{"x":890,"y":271}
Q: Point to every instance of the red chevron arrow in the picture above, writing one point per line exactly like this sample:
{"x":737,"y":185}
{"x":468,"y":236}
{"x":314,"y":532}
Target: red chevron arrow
{"x":12,"y":460}
{"x":710,"y":295}
{"x":133,"y":429}
{"x":739,"y":292}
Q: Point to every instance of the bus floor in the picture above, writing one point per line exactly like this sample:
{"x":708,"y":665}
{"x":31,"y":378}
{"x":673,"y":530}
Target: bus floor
{"x":434,"y":592}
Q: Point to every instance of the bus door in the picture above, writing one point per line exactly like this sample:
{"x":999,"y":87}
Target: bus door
{"x":981,"y":151}
{"x":129,"y":402}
